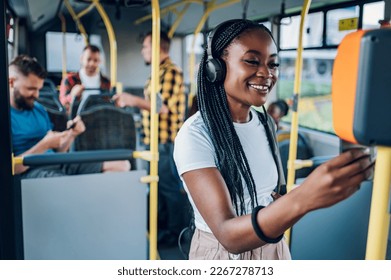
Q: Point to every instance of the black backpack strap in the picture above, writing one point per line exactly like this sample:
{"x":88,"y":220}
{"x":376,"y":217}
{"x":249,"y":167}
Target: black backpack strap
{"x":269,"y":125}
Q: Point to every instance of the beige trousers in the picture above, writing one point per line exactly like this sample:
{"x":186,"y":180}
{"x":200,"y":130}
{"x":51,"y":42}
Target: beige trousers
{"x":204,"y":246}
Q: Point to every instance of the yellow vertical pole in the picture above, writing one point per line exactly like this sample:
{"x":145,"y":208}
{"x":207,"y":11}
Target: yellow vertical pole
{"x":112,"y":41}
{"x":119,"y":87}
{"x":153,"y":192}
{"x":192,"y":92}
{"x":379,"y":220}
{"x":64,"y":45}
{"x":295,"y":115}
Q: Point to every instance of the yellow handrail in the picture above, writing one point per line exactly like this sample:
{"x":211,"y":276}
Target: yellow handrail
{"x":210,"y":7}
{"x":112,"y":41}
{"x":379,"y":220}
{"x":153,"y":192}
{"x":110,"y":33}
{"x":64,"y":45}
{"x":15,"y":161}
{"x":178,"y":20}
{"x":77,"y":21}
{"x":295,"y":116}
{"x":86,"y":10}
{"x":168,"y":9}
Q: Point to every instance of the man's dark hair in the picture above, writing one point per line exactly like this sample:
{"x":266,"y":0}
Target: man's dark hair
{"x":213,"y":105}
{"x":92,"y":48}
{"x":284,"y":107}
{"x":27,"y":65}
{"x":165,"y":41}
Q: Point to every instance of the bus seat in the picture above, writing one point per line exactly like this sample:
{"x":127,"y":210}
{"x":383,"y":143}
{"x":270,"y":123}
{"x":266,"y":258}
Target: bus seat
{"x":48,"y":85}
{"x":304,"y":151}
{"x":73,"y":108}
{"x":283,"y":135}
{"x":92,"y":100}
{"x":107,"y":127}
{"x":58,"y":118}
{"x":48,"y":98}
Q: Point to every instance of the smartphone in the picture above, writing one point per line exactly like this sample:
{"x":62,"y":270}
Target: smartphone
{"x":345,"y":146}
{"x":72,"y":126}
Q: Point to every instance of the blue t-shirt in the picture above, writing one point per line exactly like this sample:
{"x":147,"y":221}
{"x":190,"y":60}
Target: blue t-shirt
{"x":29,"y":127}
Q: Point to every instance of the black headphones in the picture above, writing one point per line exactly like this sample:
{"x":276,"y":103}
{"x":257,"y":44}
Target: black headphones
{"x":215,"y":67}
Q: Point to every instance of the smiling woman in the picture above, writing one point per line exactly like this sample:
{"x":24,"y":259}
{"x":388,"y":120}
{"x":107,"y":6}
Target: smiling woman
{"x":228,"y":158}
{"x":252,"y":70}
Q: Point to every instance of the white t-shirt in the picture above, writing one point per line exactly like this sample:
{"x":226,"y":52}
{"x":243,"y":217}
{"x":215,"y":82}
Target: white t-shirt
{"x":89,"y":82}
{"x":193,"y":150}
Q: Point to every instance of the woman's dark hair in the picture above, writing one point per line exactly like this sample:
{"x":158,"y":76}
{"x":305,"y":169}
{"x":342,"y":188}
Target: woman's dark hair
{"x":213,"y":105}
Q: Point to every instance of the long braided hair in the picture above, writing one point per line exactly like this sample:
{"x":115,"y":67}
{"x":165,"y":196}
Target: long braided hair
{"x":213,"y":106}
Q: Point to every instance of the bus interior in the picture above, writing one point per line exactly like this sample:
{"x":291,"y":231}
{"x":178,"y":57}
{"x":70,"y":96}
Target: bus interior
{"x":105,"y":216}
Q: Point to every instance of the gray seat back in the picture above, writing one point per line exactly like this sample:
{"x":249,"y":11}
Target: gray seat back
{"x":107,"y":127}
{"x":48,"y":98}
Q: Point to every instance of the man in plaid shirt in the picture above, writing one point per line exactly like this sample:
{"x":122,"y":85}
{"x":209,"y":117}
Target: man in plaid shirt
{"x":172,"y":199}
{"x":88,"y":77}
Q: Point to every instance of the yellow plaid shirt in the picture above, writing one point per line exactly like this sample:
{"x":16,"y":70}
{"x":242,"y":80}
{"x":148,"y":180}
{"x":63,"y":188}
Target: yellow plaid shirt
{"x":172,"y":92}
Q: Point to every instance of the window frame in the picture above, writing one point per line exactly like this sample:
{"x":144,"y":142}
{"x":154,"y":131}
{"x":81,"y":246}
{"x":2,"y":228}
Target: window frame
{"x":325,"y":10}
{"x":11,"y":44}
{"x":360,"y":4}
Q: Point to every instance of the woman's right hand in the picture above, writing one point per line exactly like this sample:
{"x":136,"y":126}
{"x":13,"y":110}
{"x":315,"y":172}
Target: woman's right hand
{"x":336,"y":179}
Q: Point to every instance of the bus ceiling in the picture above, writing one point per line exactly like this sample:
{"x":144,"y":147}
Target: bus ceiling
{"x":220,"y":10}
{"x":37,"y":12}
{"x":40,"y":12}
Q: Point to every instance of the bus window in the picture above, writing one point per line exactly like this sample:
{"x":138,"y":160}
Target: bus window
{"x":267,"y":24}
{"x":334,"y":33}
{"x":198,"y":51}
{"x":176,"y":51}
{"x":315,"y":111}
{"x":74,"y":47}
{"x":290,"y":31}
{"x":11,"y":37}
{"x":315,"y":99}
{"x":373,"y":12}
